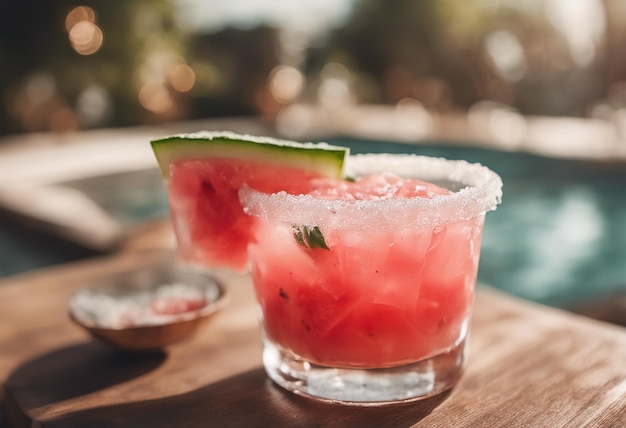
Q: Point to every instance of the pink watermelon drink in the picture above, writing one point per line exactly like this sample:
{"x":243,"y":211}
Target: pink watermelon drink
{"x":369,"y":297}
{"x":203,"y":173}
{"x":370,"y":282}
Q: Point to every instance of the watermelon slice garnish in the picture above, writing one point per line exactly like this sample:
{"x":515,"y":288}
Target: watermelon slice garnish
{"x":203,"y":173}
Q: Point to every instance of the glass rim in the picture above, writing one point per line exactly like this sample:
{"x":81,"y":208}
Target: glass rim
{"x":480,"y":192}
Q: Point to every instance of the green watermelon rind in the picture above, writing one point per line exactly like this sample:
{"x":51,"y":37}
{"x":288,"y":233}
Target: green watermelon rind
{"x":323,"y":158}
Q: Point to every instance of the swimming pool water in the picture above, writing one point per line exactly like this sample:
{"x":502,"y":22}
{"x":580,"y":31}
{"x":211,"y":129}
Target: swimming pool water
{"x":559,"y":236}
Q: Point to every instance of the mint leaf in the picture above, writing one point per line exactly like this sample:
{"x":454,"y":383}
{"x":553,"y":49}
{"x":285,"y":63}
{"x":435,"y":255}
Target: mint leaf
{"x":310,"y":237}
{"x":315,"y":238}
{"x":297,"y":233}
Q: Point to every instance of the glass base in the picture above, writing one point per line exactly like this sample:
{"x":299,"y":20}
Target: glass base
{"x":365,"y":387}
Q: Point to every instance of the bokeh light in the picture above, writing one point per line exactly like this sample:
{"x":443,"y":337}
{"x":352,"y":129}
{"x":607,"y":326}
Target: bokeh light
{"x":582,"y":23}
{"x":506,"y":54}
{"x":285,"y":83}
{"x":94,"y":105}
{"x":78,"y":14}
{"x":335,"y":90}
{"x":86,"y":37}
{"x":155,"y":98}
{"x":182,"y":78}
{"x":160,"y":76}
{"x":498,"y":122}
{"x":35,"y":99}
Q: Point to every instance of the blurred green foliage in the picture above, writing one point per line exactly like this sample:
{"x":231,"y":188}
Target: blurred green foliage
{"x":41,"y":74}
{"x":437,"y":51}
{"x":446,"y":54}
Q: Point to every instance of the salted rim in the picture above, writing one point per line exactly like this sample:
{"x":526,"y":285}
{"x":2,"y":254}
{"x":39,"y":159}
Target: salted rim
{"x":481,"y":192}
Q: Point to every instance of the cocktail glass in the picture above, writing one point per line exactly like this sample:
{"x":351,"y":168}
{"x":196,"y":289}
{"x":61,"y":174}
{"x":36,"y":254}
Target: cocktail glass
{"x":368,"y":302}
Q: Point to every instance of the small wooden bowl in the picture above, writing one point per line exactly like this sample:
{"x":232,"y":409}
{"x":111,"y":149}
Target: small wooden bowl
{"x":155,"y":336}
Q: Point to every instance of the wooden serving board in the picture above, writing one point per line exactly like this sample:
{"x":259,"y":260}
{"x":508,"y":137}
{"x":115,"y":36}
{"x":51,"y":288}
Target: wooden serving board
{"x":528,"y":366}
